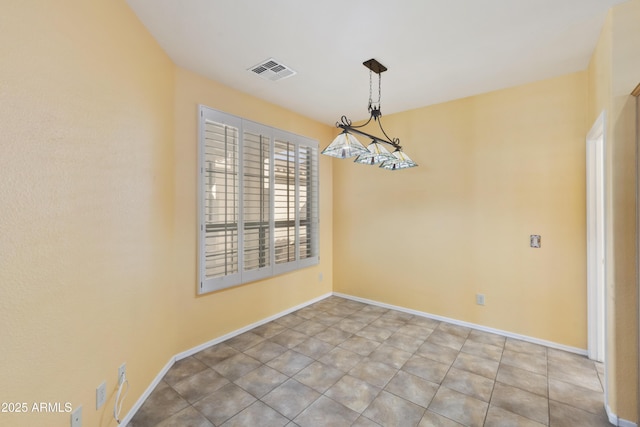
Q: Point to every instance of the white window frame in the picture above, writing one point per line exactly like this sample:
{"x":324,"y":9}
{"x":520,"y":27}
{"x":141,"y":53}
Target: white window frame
{"x":301,"y":145}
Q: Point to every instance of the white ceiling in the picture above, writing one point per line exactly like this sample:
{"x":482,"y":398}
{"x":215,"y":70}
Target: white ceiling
{"x":435,"y":50}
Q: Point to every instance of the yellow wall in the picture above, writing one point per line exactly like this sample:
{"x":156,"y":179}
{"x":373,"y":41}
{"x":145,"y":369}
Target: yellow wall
{"x":614,"y":72}
{"x":494,"y":169}
{"x":208,"y":316}
{"x":98,"y":234}
{"x":98,"y":220}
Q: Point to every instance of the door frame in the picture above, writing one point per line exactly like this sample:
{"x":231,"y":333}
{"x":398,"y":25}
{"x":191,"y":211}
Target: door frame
{"x":596,"y":239}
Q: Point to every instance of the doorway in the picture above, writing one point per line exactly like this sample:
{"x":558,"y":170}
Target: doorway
{"x":596,"y":239}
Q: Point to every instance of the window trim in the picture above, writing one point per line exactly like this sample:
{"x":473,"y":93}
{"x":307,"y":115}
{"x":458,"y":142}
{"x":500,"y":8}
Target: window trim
{"x":210,"y":284}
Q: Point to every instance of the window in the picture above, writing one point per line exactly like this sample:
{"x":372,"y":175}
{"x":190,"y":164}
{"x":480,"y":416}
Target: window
{"x":258,"y":201}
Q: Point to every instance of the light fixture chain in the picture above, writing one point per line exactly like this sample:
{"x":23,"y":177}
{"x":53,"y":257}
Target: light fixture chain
{"x":379,"y":89}
{"x":370,"y":89}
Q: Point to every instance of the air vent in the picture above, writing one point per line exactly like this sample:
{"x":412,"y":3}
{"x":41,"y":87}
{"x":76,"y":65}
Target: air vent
{"x":270,"y":69}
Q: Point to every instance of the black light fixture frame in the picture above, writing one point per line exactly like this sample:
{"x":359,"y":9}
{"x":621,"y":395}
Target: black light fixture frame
{"x":374,"y":110}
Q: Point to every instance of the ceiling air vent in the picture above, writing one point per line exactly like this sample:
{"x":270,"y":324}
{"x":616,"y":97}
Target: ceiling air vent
{"x":270,"y":69}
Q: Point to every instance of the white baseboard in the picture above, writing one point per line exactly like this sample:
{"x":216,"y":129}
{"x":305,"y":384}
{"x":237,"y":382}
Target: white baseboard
{"x":526,"y":338}
{"x":201,"y":347}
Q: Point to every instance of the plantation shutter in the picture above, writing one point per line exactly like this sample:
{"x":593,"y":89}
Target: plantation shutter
{"x":258,"y":201}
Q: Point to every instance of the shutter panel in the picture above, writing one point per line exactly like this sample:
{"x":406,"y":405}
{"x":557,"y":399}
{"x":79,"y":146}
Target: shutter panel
{"x":219,"y":177}
{"x":284,"y":201}
{"x":308,"y":202}
{"x":256,"y":202}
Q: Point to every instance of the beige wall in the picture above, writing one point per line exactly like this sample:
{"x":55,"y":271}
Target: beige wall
{"x":614,"y":72}
{"x":205,"y":317}
{"x":98,"y":220}
{"x":494,"y":169}
{"x":97,"y":226}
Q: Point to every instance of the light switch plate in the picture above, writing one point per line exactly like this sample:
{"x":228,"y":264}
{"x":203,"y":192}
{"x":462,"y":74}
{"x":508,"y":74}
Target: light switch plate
{"x":76,"y":417}
{"x":535,"y":240}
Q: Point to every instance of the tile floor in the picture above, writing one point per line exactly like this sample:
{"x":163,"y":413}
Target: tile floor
{"x":344,"y":363}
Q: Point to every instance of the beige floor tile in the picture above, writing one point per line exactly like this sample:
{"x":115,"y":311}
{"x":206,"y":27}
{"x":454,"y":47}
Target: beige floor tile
{"x":459,"y":407}
{"x":498,"y":417}
{"x":404,"y":342}
{"x":363,"y":421}
{"x":388,"y":323}
{"x":375,"y":373}
{"x":412,"y":388}
{"x":424,"y":322}
{"x":374,"y":333}
{"x":477,"y":365}
{"x":431,"y":419}
{"x":576,"y":396}
{"x":525,"y":361}
{"x":258,"y":414}
{"x":187,"y":417}
{"x":350,"y":325}
{"x":290,"y":320}
{"x":449,"y":328}
{"x":390,"y":355}
{"x":200,"y":385}
{"x":521,"y":402}
{"x":574,"y":373}
{"x":444,"y":339}
{"x":288,"y":338}
{"x":437,"y":352}
{"x":314,"y":348}
{"x":360,"y":345}
{"x":341,"y":359}
{"x":224,"y":403}
{"x":468,"y":383}
{"x":353,"y":393}
{"x":319,"y":376}
{"x":326,"y":412}
{"x":522,"y":379}
{"x":215,"y":354}
{"x":269,"y":329}
{"x":486,"y":351}
{"x":290,"y":362}
{"x":487,"y":338}
{"x":291,"y":398}
{"x":244,"y":341}
{"x":525,"y":347}
{"x":183,"y":369}
{"x":333,"y":335}
{"x":390,"y":410}
{"x":236,"y":366}
{"x":310,"y":327}
{"x":261,"y":381}
{"x":567,"y":416}
{"x":161,"y":404}
{"x":427,"y":369}
{"x":415,"y":331}
{"x":265,"y":351}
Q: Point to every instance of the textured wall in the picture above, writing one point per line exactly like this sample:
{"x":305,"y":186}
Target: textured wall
{"x":494,"y":169}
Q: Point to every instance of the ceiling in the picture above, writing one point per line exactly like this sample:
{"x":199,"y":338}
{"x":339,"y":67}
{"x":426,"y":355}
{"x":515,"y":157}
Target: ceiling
{"x":435,"y":50}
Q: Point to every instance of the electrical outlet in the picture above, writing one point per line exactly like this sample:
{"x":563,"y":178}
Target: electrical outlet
{"x":76,"y":417}
{"x":122,"y":372}
{"x":101,"y":394}
{"x":320,"y":277}
{"x":480,"y":299}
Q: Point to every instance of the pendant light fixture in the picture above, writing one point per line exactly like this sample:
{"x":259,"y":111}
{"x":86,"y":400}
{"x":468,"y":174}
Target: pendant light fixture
{"x":346,"y":145}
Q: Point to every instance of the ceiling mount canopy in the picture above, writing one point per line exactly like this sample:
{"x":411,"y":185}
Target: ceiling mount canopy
{"x":346,"y":145}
